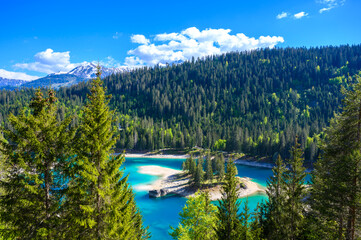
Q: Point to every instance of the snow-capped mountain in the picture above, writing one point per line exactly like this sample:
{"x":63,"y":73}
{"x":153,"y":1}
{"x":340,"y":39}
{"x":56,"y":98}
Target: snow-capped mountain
{"x":5,"y":82}
{"x":88,"y":71}
{"x":81,"y":73}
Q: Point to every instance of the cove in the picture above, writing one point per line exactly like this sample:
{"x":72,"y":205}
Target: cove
{"x":160,"y":213}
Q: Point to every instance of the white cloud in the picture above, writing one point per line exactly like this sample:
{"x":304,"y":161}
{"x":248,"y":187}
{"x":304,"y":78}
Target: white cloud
{"x":49,"y":61}
{"x":191,"y":42}
{"x":282,"y":15}
{"x":16,"y":75}
{"x":116,"y":35}
{"x":325,"y":9}
{"x":138,"y":38}
{"x":300,"y":15}
{"x":330,"y":4}
{"x":108,"y":62}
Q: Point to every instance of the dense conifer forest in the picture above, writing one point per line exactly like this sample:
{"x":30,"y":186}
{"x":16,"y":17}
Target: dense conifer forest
{"x":61,"y":179}
{"x":256,"y":101}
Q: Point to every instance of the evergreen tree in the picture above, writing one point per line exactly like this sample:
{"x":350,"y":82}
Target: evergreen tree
{"x":192,"y":166}
{"x":336,"y":193}
{"x":209,"y":170}
{"x":199,"y":173}
{"x":220,"y":167}
{"x":189,"y":165}
{"x":35,"y":155}
{"x":198,"y":219}
{"x":245,"y":217}
{"x":100,"y":202}
{"x":295,"y":192}
{"x":229,"y":225}
{"x":274,"y":207}
{"x":255,"y":224}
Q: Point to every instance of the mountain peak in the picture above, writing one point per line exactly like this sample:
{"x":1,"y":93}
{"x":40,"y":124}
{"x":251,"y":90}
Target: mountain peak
{"x":88,"y":70}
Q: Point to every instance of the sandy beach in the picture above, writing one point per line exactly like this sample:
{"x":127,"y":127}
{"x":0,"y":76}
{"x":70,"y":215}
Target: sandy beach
{"x":150,"y":155}
{"x":176,"y":182}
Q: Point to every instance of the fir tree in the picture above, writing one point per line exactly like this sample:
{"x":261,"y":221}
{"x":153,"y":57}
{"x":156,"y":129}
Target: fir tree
{"x":295,"y":192}
{"x":101,"y":203}
{"x":274,"y":207}
{"x":336,"y":193}
{"x":220,"y":167}
{"x":199,"y":173}
{"x":35,"y":155}
{"x":209,"y":170}
{"x":245,"y":217}
{"x":229,"y":226}
{"x":192,"y":166}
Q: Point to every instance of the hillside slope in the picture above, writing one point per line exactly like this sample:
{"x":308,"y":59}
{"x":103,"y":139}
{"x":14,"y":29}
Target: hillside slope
{"x":257,"y":101}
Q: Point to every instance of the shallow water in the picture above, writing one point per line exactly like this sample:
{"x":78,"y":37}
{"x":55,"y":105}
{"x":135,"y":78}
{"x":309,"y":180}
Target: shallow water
{"x":161,"y":213}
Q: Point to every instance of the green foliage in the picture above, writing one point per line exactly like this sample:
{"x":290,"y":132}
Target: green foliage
{"x":220,"y":145}
{"x":100,"y":202}
{"x":209,"y":170}
{"x":336,"y":193}
{"x":35,"y":152}
{"x":189,"y":165}
{"x":220,"y":167}
{"x":197,"y":219}
{"x":295,"y":192}
{"x":274,"y":208}
{"x":229,"y":225}
{"x":198,"y":177}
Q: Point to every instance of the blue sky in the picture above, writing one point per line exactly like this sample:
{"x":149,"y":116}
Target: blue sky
{"x":40,"y":37}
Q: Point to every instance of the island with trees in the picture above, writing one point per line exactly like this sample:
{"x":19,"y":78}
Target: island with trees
{"x":206,"y":173}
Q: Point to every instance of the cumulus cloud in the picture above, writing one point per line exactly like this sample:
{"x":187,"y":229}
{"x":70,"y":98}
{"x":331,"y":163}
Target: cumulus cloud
{"x":191,"y":42}
{"x":330,"y":4}
{"x":282,"y":15}
{"x":49,"y":61}
{"x":16,"y":75}
{"x":138,"y":38}
{"x":300,"y":15}
{"x":108,"y":62}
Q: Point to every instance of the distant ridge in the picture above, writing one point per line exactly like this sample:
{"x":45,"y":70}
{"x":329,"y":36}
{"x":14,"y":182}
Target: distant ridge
{"x":81,"y":73}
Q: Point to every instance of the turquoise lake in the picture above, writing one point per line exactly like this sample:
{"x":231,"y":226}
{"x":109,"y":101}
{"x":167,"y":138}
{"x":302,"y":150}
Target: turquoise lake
{"x":161,"y":213}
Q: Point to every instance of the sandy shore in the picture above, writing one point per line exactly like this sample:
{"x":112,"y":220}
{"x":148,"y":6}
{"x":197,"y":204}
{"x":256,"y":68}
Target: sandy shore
{"x":154,"y":170}
{"x":176,"y":182}
{"x":150,"y":155}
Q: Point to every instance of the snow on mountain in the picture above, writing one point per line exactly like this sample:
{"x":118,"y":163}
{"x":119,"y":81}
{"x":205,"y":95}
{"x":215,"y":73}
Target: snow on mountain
{"x":88,"y":71}
{"x":81,"y":73}
{"x":5,"y":82}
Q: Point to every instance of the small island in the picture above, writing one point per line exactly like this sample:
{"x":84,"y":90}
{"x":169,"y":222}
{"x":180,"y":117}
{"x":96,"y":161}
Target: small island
{"x":182,"y":182}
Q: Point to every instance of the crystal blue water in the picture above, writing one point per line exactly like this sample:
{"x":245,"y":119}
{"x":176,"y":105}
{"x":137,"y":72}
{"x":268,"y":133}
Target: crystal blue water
{"x":161,"y":213}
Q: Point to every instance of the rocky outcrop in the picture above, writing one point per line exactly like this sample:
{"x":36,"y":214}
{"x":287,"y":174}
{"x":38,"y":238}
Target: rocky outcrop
{"x":158,"y":193}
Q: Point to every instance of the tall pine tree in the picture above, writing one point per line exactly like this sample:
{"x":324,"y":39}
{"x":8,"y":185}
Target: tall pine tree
{"x":336,"y":195}
{"x":229,"y":225}
{"x":295,"y":192}
{"x":274,"y":218}
{"x":209,"y":170}
{"x":100,"y":201}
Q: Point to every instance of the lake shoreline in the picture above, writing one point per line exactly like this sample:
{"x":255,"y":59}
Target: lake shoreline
{"x":159,"y":156}
{"x":240,"y":161}
{"x":173,"y":181}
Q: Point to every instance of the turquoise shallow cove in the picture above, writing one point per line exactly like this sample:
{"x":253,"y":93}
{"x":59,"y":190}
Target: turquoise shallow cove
{"x":161,"y":213}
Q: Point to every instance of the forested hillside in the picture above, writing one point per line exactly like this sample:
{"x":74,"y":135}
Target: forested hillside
{"x":257,"y":101}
